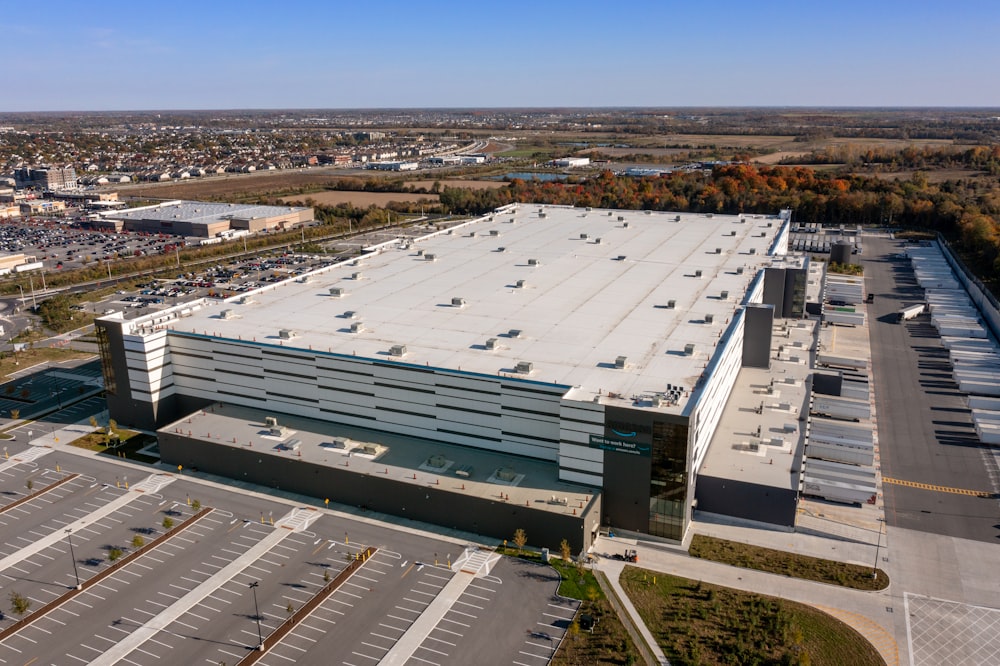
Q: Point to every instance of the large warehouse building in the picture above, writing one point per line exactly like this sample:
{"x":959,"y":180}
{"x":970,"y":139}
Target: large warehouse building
{"x":596,"y":348}
{"x":204,"y":219}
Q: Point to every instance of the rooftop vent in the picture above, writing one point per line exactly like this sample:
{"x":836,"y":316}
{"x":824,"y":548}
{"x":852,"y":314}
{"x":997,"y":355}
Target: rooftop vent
{"x":523,"y":368}
{"x":430,"y":257}
{"x":533,"y":262}
{"x":584,"y":236}
{"x":494,"y":232}
{"x":501,"y":249}
{"x":397,"y":350}
{"x":491,"y":343}
{"x":620,"y":362}
{"x":709,"y":318}
{"x":620,"y":257}
{"x":286,"y":334}
{"x":514,"y":333}
{"x":519,"y":284}
{"x":689,"y":349}
{"x":337,"y":291}
{"x":357,"y":327}
{"x":697,"y":273}
{"x":458,"y":302}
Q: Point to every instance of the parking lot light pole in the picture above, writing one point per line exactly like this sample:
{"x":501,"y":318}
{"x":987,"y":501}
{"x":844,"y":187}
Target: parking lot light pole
{"x":256,"y":611}
{"x":878,"y":543}
{"x":72,"y":554}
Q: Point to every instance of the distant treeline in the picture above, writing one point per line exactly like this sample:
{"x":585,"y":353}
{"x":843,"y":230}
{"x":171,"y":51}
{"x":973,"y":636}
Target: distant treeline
{"x":967,"y":211}
{"x":985,"y":158}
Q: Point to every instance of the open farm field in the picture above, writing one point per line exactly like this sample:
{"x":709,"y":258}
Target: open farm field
{"x":242,"y":184}
{"x":468,"y":184}
{"x":358,"y":199}
{"x":933,"y":175}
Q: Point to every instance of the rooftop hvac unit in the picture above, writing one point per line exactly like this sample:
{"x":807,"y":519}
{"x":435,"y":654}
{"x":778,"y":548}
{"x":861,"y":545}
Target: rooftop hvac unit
{"x":620,"y":362}
{"x":542,"y":215}
{"x":523,"y":368}
{"x":356,"y":276}
{"x":597,"y":241}
{"x":286,"y":334}
{"x":350,"y":314}
{"x":709,"y":318}
{"x":270,"y":421}
{"x":430,"y":257}
{"x":584,"y":236}
{"x":357,"y":327}
{"x":697,"y":273}
{"x":689,"y":349}
{"x":304,"y":279}
{"x":610,"y":213}
{"x":739,"y":270}
{"x":753,"y":250}
{"x":458,"y":302}
{"x":397,"y":350}
{"x":671,"y":304}
{"x":491,"y":343}
{"x":770,"y":224}
{"x":677,"y":218}
{"x":621,"y":218}
{"x":718,"y":250}
{"x":227,"y":314}
{"x":724,"y":295}
{"x":501,"y":249}
{"x":245,"y":300}
{"x":625,"y":224}
{"x":589,"y":209}
{"x":648,"y":212}
{"x":337,"y":291}
{"x":420,"y":253}
{"x":620,"y":257}
{"x":732,"y":233}
{"x":519,"y":284}
{"x":494,"y":232}
{"x":514,"y":333}
{"x":533,"y":262}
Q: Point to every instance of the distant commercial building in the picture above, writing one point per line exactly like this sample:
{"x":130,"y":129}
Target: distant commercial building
{"x":8,"y":211}
{"x":85,"y":196}
{"x":393,"y":166}
{"x":41,"y":207}
{"x":204,"y":219}
{"x":571,"y":162}
{"x":601,"y":345}
{"x":49,"y":178}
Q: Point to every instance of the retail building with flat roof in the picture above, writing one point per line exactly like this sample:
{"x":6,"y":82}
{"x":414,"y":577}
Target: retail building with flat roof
{"x":604,"y":343}
{"x":204,"y":219}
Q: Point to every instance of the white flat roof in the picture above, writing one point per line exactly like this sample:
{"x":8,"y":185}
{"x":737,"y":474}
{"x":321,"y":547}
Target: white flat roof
{"x":203,"y":212}
{"x":581,"y":306}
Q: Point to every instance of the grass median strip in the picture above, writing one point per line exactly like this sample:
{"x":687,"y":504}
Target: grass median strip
{"x":787,"y":564}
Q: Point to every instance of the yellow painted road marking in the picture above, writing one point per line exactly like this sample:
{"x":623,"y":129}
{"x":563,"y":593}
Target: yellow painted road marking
{"x":408,"y":570}
{"x":940,"y":489}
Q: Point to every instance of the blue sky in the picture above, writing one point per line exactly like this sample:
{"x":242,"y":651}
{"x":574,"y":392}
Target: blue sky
{"x":221,"y":54}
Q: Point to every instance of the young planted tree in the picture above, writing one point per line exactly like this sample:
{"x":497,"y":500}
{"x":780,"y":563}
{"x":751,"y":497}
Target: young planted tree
{"x":565,"y":550}
{"x":138,"y":541}
{"x":520,"y":539}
